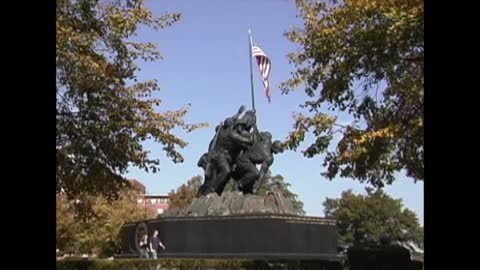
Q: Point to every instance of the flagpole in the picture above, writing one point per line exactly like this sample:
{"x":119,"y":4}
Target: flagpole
{"x":251,"y":72}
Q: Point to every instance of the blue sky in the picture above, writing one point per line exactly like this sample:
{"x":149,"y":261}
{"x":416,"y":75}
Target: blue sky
{"x":206,"y":64}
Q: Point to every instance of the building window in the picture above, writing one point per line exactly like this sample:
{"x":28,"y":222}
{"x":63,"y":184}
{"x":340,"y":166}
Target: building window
{"x":164,"y":201}
{"x":140,"y":201}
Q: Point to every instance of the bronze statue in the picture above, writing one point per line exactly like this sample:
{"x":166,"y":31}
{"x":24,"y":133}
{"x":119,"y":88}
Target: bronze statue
{"x":232,"y":136}
{"x":235,"y":150}
{"x":261,"y":152}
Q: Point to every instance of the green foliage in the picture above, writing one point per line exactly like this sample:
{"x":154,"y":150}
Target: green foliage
{"x":128,"y":264}
{"x":103,"y":112}
{"x":66,"y":226}
{"x":185,"y":194}
{"x":231,"y":186}
{"x":379,"y":46}
{"x":278,"y":182}
{"x":269,"y":184}
{"x":187,"y":264}
{"x":98,"y":232}
{"x":373,"y":219}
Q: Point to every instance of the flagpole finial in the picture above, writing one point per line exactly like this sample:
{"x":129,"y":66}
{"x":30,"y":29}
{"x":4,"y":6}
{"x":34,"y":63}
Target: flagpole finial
{"x":249,"y":32}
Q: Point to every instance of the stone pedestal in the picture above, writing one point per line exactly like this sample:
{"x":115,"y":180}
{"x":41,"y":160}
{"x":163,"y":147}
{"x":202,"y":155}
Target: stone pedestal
{"x":267,"y":236}
{"x":235,"y":225}
{"x":235,"y":203}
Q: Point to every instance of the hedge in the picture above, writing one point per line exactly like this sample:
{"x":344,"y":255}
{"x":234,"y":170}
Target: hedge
{"x":186,"y":264}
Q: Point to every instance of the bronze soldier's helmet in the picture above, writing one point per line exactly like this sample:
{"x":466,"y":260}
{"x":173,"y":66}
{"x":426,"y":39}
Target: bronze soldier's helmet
{"x":277,"y":147}
{"x":266,"y":136}
{"x":249,"y":120}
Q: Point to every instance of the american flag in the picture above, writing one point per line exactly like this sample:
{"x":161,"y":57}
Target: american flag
{"x":264,"y":65}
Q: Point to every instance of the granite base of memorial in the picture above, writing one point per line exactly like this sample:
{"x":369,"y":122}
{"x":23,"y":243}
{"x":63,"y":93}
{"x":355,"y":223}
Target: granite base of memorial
{"x":234,"y":225}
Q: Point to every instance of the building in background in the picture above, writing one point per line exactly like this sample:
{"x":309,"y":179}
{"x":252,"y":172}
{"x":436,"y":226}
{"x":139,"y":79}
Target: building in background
{"x":157,"y":202}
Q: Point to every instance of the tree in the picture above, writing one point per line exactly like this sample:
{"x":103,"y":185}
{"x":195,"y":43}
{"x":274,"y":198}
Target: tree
{"x":103,"y":112}
{"x":65,"y":223}
{"x":364,"y":58}
{"x":99,"y":233}
{"x":278,"y":182}
{"x":373,"y":219}
{"x":272,"y":183}
{"x":185,"y":194}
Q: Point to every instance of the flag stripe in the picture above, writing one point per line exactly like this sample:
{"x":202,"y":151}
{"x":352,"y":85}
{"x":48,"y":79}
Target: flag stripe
{"x":264,"y":65}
